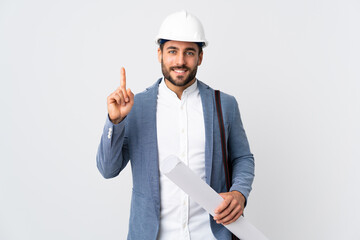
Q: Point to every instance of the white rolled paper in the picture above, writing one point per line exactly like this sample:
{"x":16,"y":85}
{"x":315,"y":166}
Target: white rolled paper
{"x":205,"y":196}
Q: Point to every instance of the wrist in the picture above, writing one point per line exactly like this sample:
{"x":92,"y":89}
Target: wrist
{"x":116,"y":120}
{"x":240,"y":196}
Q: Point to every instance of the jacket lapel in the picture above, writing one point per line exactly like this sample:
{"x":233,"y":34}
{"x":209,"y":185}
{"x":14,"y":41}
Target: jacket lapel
{"x":207,"y":96}
{"x":150,"y":140}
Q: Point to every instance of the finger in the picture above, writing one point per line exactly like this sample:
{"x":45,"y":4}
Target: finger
{"x":125,"y":94}
{"x":130,"y":95}
{"x":233,"y":219}
{"x":224,"y":204}
{"x":116,"y":97}
{"x":226,"y":211}
{"x":122,"y":100}
{"x":220,"y":217}
{"x":110,"y":98}
{"x":122,"y":78}
{"x":228,"y":214}
{"x":113,"y":98}
{"x":120,"y":96}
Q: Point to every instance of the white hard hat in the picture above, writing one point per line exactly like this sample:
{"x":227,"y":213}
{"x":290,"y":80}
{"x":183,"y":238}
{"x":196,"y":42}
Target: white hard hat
{"x":182,"y":26}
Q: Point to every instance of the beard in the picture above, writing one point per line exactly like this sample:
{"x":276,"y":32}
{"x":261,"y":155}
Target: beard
{"x":179,"y":81}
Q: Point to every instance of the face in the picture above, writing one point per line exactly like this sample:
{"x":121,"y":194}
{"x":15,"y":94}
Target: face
{"x":179,"y":62}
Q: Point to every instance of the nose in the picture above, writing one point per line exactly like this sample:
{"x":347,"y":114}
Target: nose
{"x":180,"y":60}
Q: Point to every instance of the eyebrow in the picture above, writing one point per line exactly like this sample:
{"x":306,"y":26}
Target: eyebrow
{"x":186,"y":49}
{"x":190,"y":49}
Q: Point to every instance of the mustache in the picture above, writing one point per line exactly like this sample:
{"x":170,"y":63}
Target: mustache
{"x":179,"y":67}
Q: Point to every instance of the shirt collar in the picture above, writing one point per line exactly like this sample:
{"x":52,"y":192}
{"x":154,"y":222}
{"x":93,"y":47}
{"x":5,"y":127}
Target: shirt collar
{"x":163,"y":88}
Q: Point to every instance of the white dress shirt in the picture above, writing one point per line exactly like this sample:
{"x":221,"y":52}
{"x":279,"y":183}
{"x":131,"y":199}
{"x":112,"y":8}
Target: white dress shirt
{"x":181,"y":132}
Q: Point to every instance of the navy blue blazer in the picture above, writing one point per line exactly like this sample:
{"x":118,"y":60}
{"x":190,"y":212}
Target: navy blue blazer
{"x":135,"y":139}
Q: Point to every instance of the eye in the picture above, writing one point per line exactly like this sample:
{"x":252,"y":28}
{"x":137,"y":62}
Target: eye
{"x":172,"y":51}
{"x":190,"y":53}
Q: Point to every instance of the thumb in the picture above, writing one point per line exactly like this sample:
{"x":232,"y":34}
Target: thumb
{"x":130,"y":94}
{"x":223,"y":194}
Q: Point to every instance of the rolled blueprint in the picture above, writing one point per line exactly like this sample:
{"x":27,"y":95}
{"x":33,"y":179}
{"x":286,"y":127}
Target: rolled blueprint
{"x":205,"y":196}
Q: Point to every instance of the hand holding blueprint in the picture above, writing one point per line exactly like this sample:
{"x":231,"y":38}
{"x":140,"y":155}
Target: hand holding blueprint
{"x":205,"y":196}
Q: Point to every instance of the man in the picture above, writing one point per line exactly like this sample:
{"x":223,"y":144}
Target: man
{"x":176,"y":116}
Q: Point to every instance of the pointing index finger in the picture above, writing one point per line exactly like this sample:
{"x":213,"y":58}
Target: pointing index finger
{"x":122,"y":78}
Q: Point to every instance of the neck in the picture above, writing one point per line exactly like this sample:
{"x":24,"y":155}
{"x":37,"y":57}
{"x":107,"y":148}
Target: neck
{"x":178,"y":90}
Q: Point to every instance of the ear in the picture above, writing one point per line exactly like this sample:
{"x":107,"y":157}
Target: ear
{"x":159,"y":55}
{"x":200,"y":58}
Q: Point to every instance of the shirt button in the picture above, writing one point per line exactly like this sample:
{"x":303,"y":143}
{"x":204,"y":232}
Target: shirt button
{"x":182,"y":130}
{"x":184,"y":225}
{"x":183,"y":154}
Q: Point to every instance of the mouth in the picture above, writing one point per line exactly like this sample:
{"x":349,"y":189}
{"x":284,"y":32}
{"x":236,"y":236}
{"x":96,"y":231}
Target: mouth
{"x":180,"y":71}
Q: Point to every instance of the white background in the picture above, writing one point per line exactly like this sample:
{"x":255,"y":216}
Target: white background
{"x":292,"y":65}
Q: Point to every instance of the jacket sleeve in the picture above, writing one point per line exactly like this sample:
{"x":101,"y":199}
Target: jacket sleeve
{"x":112,"y":155}
{"x":239,"y":155}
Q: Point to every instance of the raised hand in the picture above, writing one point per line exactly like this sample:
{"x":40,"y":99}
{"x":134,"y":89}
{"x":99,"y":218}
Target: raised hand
{"x":121,"y":101}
